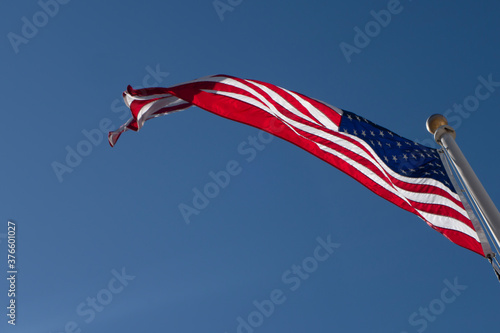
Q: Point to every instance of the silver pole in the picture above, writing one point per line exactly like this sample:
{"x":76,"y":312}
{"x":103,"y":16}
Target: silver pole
{"x":445,"y":136}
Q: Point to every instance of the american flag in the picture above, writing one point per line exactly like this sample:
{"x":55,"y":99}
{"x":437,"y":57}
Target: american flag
{"x":409,"y":175}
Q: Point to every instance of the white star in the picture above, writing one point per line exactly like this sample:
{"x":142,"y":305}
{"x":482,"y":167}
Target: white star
{"x":399,"y":144}
{"x":386,"y":159}
{"x":405,"y":157}
{"x":349,"y":116}
{"x":363,"y":133}
{"x":394,"y":158}
{"x":381,"y":134}
{"x":372,"y":133}
{"x":379,"y":143}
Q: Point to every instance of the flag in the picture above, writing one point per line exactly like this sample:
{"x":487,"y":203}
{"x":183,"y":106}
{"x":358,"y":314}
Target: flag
{"x":409,"y":175}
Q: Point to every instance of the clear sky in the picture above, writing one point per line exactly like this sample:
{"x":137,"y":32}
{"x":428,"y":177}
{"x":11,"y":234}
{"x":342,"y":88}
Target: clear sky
{"x":101,"y":243}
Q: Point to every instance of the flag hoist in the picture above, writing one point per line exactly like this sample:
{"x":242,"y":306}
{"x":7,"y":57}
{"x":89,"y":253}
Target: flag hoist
{"x":445,"y":136}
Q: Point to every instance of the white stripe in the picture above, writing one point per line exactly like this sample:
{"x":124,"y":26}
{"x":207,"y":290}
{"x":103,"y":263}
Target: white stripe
{"x":152,"y":107}
{"x":231,"y":82}
{"x":317,"y":113}
{"x":375,"y":160}
{"x":130,"y":98}
{"x":447,"y":222}
{"x":410,"y":180}
{"x":440,"y":221}
{"x":364,"y":170}
{"x":284,"y":103}
{"x":240,"y":97}
{"x":401,"y":192}
{"x":426,"y":198}
{"x":320,"y":117}
{"x":256,"y":103}
{"x":234,"y":83}
{"x":123,"y":128}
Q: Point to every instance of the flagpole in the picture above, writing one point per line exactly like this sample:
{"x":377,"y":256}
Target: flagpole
{"x":445,"y":136}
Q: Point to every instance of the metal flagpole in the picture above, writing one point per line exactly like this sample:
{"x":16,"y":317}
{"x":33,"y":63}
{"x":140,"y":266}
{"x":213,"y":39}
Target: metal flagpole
{"x":445,"y":136}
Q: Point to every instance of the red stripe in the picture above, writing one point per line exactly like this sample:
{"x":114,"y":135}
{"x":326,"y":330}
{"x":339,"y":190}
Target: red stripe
{"x":461,"y":239}
{"x":326,"y":110}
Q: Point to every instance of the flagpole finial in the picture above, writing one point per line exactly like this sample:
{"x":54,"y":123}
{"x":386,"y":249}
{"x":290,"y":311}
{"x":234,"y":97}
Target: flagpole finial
{"x":435,"y":121}
{"x":437,"y":124}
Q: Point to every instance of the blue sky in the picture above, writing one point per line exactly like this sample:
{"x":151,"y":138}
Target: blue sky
{"x":103,"y":246}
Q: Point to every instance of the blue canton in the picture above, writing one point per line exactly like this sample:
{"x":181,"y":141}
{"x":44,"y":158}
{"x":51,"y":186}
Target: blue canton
{"x":403,"y":156}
